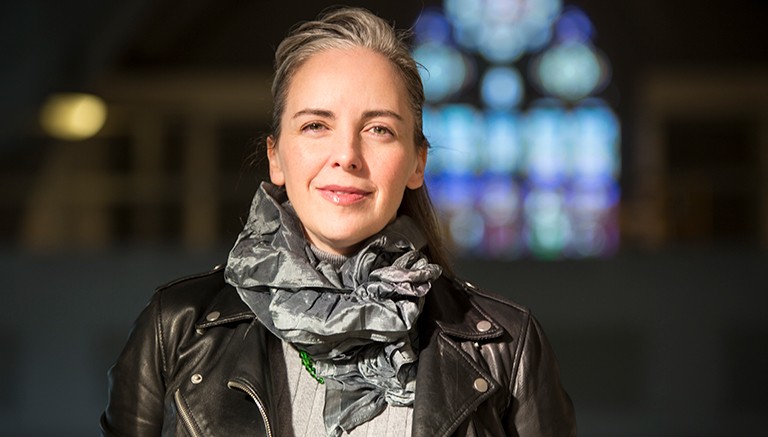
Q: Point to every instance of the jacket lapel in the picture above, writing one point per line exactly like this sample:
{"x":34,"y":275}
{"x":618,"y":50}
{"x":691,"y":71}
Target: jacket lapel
{"x":249,"y":372}
{"x":252,"y":375}
{"x":450,"y":384}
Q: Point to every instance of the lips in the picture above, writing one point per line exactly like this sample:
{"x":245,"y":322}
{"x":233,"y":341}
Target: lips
{"x":343,"y":196}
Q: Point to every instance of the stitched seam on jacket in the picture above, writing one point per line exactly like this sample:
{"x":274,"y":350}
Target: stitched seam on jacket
{"x":188,"y":278}
{"x":518,"y":356}
{"x":474,"y":336}
{"x":225,"y":320}
{"x":498,"y":329}
{"x":161,"y":333}
{"x":501,"y":299}
{"x":467,"y":405}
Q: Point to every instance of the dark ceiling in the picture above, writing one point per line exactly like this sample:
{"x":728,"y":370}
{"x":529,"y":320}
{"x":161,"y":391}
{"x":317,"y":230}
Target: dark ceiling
{"x":207,"y":33}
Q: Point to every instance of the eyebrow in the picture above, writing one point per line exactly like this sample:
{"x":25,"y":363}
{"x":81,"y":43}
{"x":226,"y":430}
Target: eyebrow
{"x":381,"y":113}
{"x":366,"y":115}
{"x":317,"y":112}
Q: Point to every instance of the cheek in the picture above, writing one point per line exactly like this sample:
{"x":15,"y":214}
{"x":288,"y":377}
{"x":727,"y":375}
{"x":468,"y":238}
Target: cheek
{"x":409,"y":161}
{"x":299,"y":168}
{"x":397,"y":171}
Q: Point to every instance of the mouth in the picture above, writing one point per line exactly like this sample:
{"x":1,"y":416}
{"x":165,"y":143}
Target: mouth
{"x":343,"y":196}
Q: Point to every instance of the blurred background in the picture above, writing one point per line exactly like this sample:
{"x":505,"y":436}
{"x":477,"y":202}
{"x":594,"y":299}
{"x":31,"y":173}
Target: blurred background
{"x":603,"y":163}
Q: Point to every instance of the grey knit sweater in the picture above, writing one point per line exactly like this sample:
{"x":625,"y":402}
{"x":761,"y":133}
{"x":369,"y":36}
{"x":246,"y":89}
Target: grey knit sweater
{"x":300,"y":400}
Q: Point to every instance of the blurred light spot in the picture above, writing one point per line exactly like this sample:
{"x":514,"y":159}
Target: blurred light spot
{"x":545,"y":143}
{"x":503,"y":142}
{"x":539,"y":38}
{"x":501,"y":43}
{"x":73,"y":116}
{"x":570,"y":71}
{"x":499,"y":201}
{"x":574,"y":26}
{"x":502,"y":88}
{"x":464,"y":12}
{"x":467,"y":35}
{"x":446,"y":70}
{"x":432,"y":26}
{"x":502,"y":30}
{"x":595,"y":140}
{"x":456,"y":133}
{"x":467,"y":229}
{"x":589,"y":240}
{"x":548,"y":227}
{"x":593,"y":198}
{"x":452,"y":193}
{"x":592,"y":204}
{"x":505,"y":11}
{"x":502,"y":242}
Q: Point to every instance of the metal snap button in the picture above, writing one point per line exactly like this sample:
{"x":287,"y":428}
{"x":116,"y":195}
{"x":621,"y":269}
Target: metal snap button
{"x":483,"y":325}
{"x":480,"y":385}
{"x":198,"y":378}
{"x":213,"y":316}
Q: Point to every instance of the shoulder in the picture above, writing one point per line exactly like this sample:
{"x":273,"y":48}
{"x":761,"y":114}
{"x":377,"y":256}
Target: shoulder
{"x":182,"y":309}
{"x":491,"y":299}
{"x":199,"y":299}
{"x":191,"y":291}
{"x":507,"y":313}
{"x":464,"y":311}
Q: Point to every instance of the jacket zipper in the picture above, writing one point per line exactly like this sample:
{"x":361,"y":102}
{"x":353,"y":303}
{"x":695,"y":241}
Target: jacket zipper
{"x":185,"y":416}
{"x":255,"y":396}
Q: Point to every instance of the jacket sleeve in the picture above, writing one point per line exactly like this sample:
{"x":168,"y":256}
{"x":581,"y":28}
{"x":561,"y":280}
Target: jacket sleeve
{"x":136,"y":382}
{"x":540,"y":405}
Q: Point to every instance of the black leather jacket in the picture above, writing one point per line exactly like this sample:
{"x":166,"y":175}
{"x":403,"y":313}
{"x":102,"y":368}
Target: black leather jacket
{"x":196,"y":364}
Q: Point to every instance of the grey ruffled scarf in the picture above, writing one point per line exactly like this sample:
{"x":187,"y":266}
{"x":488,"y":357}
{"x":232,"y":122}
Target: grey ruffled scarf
{"x":357,"y":322}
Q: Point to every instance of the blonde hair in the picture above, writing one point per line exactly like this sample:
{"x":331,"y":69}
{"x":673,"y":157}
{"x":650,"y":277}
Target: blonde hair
{"x":343,"y":28}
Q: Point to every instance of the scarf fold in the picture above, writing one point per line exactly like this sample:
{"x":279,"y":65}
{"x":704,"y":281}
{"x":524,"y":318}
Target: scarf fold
{"x":358,"y":322}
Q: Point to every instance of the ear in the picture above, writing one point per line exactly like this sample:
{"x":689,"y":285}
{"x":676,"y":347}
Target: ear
{"x":416,"y":179}
{"x":275,"y":169}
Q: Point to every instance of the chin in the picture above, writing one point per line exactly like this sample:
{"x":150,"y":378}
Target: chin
{"x":346,"y":234}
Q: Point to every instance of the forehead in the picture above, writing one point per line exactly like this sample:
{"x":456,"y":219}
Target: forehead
{"x":352,"y":74}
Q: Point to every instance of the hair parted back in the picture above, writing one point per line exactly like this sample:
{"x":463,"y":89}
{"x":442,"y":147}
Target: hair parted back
{"x":347,"y":27}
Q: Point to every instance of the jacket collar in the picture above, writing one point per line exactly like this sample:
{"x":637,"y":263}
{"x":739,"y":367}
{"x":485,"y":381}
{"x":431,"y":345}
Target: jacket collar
{"x":226,"y":307}
{"x":450,"y":384}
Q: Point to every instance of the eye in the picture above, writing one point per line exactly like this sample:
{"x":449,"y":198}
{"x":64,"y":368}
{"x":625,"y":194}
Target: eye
{"x":313,"y":127}
{"x":381,"y":130}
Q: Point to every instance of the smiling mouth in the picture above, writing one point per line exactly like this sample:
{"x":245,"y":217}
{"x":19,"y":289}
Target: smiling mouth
{"x":343,"y":196}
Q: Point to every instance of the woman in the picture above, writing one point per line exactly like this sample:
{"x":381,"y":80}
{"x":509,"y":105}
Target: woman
{"x":336,"y":312}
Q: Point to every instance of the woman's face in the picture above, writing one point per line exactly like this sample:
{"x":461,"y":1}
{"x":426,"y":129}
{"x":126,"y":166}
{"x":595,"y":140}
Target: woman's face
{"x":346,"y":149}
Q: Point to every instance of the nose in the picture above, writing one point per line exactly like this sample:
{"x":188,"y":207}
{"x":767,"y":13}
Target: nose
{"x":347,"y":153}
